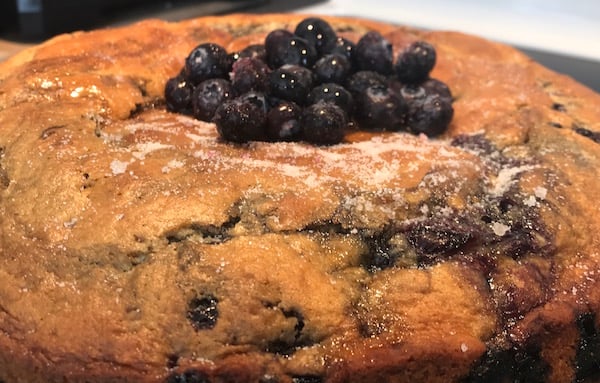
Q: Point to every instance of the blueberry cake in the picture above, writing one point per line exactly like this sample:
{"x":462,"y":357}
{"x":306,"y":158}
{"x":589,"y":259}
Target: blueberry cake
{"x":289,"y":199}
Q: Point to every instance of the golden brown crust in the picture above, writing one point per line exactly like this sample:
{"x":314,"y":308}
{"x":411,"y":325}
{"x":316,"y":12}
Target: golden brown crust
{"x":115,"y":215}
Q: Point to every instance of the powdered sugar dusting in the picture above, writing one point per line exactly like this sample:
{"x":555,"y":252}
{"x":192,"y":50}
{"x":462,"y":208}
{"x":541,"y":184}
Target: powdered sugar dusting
{"x":506,"y":178}
{"x":383,"y":161}
{"x":173,"y":164}
{"x":540,"y":192}
{"x":141,"y":150}
{"x":500,"y":229}
{"x":118,"y":167}
{"x":530,"y":201}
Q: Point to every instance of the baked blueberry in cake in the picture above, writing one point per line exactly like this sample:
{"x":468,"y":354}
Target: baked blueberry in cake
{"x":294,"y":199}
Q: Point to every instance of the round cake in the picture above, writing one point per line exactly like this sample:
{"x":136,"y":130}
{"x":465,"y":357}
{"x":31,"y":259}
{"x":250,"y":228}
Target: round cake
{"x":137,"y":244}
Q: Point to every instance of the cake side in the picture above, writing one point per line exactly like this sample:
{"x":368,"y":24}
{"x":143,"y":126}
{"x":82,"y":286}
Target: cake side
{"x":136,"y":245}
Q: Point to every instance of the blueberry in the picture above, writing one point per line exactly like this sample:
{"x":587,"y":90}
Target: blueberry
{"x":283,"y":47}
{"x":432,"y":85}
{"x":207,"y":97}
{"x":588,"y":346}
{"x":203,"y":312}
{"x":249,"y":74}
{"x":258,"y":99}
{"x":429,"y":107}
{"x":381,"y":254}
{"x":323,"y":123}
{"x":360,"y":81}
{"x":307,"y":379}
{"x":275,"y":40}
{"x":438,"y":238}
{"x":411,"y":92}
{"x":373,"y":52}
{"x":207,"y":61}
{"x":331,"y":92}
{"x":345,"y":47}
{"x":242,"y":119}
{"x":291,"y":82}
{"x":430,"y":114}
{"x":332,"y":68}
{"x":415,"y":62}
{"x":585,"y":132}
{"x":380,"y":108}
{"x":178,"y":94}
{"x":318,"y":33}
{"x":188,"y":376}
{"x":256,"y":51}
{"x":283,"y":122}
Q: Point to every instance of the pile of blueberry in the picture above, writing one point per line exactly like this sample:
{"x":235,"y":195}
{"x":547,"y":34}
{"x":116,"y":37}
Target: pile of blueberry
{"x":312,"y":85}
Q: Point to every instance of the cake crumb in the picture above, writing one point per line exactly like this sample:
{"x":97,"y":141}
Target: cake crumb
{"x":464,"y":347}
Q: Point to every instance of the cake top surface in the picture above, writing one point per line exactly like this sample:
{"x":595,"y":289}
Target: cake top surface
{"x":121,"y":218}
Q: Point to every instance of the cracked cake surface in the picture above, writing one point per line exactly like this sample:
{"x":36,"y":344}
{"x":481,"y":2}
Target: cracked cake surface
{"x":136,"y":245}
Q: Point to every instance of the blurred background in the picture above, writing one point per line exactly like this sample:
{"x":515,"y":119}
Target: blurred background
{"x":564,"y":35}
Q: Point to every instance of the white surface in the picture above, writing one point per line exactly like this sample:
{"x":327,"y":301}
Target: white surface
{"x":570,"y":27}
